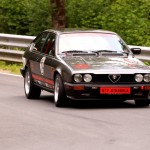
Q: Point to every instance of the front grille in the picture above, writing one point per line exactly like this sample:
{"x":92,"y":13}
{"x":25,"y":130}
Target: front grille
{"x":125,"y":78}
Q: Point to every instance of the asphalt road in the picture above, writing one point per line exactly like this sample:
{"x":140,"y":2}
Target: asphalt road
{"x":39,"y":125}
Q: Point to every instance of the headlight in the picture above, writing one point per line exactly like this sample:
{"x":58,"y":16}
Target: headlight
{"x":138,"y":77}
{"x":77,"y":77}
{"x":147,"y":77}
{"x":87,"y":78}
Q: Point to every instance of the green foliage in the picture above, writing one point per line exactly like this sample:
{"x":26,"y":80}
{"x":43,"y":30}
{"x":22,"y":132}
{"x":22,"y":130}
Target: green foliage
{"x":25,"y":17}
{"x":129,"y":18}
{"x":10,"y":67}
{"x":147,"y":63}
{"x":39,"y":16}
{"x":13,"y":16}
{"x":84,"y":14}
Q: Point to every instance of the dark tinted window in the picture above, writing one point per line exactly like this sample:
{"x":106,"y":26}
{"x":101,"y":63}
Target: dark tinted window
{"x":49,"y":47}
{"x":39,"y":42}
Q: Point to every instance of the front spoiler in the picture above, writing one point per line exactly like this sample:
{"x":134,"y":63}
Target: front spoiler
{"x":92,"y":92}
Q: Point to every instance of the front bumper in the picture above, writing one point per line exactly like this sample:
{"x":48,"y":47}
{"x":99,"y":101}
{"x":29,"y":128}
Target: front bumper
{"x":92,"y":92}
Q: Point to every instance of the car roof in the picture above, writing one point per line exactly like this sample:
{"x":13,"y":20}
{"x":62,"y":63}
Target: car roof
{"x":80,"y":31}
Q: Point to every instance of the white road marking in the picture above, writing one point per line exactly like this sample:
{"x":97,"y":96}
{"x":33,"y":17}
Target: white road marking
{"x":9,"y":74}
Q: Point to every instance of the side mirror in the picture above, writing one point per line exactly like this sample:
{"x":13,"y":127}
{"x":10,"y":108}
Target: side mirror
{"x":32,"y":47}
{"x":136,"y":51}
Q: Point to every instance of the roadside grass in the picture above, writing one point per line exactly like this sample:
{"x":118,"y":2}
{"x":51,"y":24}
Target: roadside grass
{"x":10,"y":67}
{"x":12,"y":48}
{"x":147,"y":63}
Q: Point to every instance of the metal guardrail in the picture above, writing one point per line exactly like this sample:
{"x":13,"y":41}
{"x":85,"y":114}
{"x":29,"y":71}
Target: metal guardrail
{"x":9,"y":41}
{"x":11,"y":55}
{"x":19,"y":41}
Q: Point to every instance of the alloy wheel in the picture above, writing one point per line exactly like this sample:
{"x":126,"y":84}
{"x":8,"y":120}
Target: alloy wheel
{"x":27,"y":83}
{"x":56,"y":92}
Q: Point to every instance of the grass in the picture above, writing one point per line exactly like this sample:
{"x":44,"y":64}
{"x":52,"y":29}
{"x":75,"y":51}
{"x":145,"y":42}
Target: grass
{"x":10,"y":67}
{"x":147,"y":63}
{"x":12,"y":48}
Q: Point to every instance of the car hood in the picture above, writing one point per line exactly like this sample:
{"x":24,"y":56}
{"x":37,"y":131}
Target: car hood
{"x":104,"y":63}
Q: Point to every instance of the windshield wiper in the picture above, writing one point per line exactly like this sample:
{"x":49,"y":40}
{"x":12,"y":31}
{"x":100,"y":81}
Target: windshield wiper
{"x":109,"y":51}
{"x":100,"y":52}
{"x":74,"y":51}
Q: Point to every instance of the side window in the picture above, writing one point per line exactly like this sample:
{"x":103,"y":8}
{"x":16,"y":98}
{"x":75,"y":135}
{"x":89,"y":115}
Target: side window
{"x":39,"y":42}
{"x":49,"y":47}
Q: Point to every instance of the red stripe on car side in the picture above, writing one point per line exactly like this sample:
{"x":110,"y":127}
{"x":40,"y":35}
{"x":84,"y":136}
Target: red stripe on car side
{"x":43,"y":79}
{"x":49,"y":81}
{"x":37,"y":77}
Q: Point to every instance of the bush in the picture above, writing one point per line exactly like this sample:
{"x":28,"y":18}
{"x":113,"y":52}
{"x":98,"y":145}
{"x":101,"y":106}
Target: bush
{"x":129,"y":18}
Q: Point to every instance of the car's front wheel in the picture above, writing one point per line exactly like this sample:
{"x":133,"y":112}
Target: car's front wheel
{"x":31,"y":91}
{"x":142,"y":103}
{"x":60,"y":98}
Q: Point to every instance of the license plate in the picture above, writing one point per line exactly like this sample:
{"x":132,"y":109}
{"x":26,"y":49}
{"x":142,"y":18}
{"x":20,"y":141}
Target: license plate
{"x":115,"y":90}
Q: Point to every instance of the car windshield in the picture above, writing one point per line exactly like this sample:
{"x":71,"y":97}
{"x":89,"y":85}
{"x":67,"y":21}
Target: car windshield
{"x":91,"y":42}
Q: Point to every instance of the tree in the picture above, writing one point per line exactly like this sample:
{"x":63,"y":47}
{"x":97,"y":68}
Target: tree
{"x":38,"y":16}
{"x":58,"y":14}
{"x":13,"y":16}
{"x":25,"y":17}
{"x":129,"y":18}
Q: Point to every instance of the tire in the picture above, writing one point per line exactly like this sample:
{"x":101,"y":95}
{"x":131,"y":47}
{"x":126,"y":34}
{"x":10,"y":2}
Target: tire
{"x":142,"y":103}
{"x":60,"y":98}
{"x":31,"y":91}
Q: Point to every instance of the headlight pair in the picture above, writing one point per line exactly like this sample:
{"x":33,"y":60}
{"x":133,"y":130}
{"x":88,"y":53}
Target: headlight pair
{"x":140,"y":77}
{"x":86,"y":77}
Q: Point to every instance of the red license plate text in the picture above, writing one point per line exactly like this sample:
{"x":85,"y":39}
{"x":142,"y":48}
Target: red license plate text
{"x":115,"y":90}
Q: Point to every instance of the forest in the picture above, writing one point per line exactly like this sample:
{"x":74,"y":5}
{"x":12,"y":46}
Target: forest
{"x":129,"y":18}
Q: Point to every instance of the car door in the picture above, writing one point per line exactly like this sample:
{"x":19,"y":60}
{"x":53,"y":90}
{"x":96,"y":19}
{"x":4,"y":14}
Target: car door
{"x":36,"y":57}
{"x":49,"y":54}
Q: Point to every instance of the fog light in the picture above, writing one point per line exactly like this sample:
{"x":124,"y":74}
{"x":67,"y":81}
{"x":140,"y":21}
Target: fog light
{"x":78,"y":88}
{"x":147,"y":88}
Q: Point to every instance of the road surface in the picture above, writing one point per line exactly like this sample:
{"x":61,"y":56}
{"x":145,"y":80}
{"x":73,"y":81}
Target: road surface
{"x":39,"y":125}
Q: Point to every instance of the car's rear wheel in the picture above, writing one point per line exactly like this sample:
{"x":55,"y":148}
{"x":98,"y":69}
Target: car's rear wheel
{"x":60,"y":98}
{"x":31,"y":91}
{"x":142,"y":103}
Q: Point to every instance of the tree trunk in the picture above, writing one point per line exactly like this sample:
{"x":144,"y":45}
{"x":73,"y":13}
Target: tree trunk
{"x":58,"y":14}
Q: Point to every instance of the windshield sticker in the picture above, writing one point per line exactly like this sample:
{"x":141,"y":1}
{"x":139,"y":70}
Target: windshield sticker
{"x":42,"y":65}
